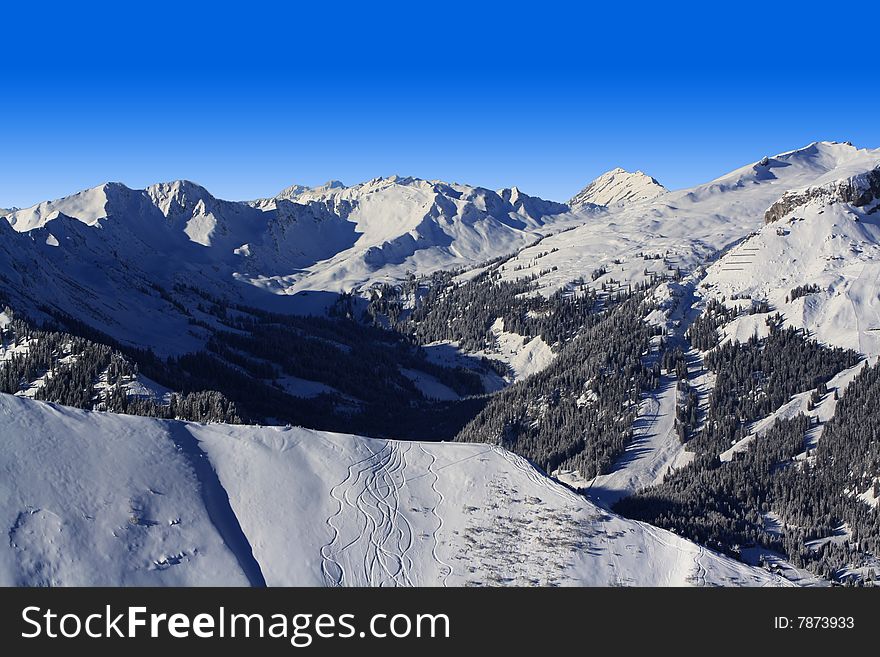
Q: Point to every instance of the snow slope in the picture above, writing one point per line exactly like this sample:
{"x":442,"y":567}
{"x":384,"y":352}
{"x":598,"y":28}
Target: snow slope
{"x":654,"y":448}
{"x":109,"y":255}
{"x":524,"y":356}
{"x":94,"y":498}
{"x":97,"y":499}
{"x":799,"y":404}
{"x":683,"y":229}
{"x":618,"y":187}
{"x":821,"y":241}
{"x":409,"y":224}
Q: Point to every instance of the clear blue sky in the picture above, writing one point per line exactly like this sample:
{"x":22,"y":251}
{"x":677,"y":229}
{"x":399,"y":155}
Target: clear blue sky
{"x":545,"y":96}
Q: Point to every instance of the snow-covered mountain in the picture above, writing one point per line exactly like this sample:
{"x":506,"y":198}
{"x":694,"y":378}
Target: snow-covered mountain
{"x":102,"y":499}
{"x":333,"y":238}
{"x":163,"y":268}
{"x":687,"y":228}
{"x":376,"y":227}
{"x":294,"y":191}
{"x":108,"y":255}
{"x":820,"y":203}
{"x":616,"y":187}
{"x":816,"y":261}
{"x":116,"y":258}
{"x":408,"y":224}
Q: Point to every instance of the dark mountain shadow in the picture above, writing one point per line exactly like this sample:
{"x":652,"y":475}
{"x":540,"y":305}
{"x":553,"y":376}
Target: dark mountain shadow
{"x":217,"y":503}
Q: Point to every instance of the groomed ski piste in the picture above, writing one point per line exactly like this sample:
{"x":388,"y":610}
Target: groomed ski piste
{"x":101,"y":499}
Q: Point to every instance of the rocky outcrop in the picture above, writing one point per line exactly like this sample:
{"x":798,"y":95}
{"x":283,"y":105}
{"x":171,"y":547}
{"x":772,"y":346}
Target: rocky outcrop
{"x":859,"y":190}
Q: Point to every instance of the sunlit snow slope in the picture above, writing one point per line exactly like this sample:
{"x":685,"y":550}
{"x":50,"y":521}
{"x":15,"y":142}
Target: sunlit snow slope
{"x":825,"y":240}
{"x":617,"y":187}
{"x":95,"y":498}
{"x":112,"y":257}
{"x":686,"y":228}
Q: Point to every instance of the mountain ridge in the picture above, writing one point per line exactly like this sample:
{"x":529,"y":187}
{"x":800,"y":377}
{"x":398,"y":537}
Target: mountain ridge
{"x":373,"y":307}
{"x":262,"y":253}
{"x":338,"y":239}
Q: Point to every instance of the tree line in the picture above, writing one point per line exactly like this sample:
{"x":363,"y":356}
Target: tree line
{"x":71,"y":370}
{"x":774,"y":493}
{"x":578,"y":413}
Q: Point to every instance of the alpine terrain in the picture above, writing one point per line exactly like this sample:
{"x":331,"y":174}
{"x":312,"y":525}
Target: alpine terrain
{"x":408,"y":382}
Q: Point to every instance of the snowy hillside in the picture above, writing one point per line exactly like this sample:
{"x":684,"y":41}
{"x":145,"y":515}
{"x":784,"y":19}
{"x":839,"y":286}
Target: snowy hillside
{"x":817,"y":262}
{"x":409,"y":224}
{"x":617,"y":187}
{"x":328,"y":239}
{"x":814,"y":263}
{"x":683,"y":229}
{"x":105,"y":500}
{"x":96,"y":498}
{"x":639,"y":345}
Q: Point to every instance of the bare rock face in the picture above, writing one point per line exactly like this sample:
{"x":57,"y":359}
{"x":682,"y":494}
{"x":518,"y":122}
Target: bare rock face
{"x":857,"y":190}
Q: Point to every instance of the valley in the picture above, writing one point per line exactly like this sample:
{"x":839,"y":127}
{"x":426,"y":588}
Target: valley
{"x":409,"y":382}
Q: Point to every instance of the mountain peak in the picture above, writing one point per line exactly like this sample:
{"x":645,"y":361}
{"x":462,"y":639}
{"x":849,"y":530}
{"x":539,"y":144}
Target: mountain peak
{"x":298,"y":190}
{"x":88,"y":206}
{"x":178,"y":187}
{"x":618,"y":186}
{"x":827,"y":154}
{"x":178,"y":196}
{"x":825,"y":145}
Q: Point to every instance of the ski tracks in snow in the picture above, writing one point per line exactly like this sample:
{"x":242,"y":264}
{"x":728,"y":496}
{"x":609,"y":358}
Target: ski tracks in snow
{"x":334,"y":574}
{"x":373,"y":542}
{"x":536,"y":477}
{"x":699,"y":568}
{"x":377,"y":540}
{"x":445,"y":568}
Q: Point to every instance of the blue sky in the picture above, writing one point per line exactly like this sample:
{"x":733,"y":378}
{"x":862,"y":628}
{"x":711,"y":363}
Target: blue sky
{"x":247,"y":100}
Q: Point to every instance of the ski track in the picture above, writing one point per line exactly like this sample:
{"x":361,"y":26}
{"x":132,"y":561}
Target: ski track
{"x":445,"y":568}
{"x":397,"y":531}
{"x":326,"y":550}
{"x":379,"y":525}
{"x":698,"y":564}
{"x":699,"y":569}
{"x":533,"y":475}
{"x":370,"y":493}
{"x":373,"y":540}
